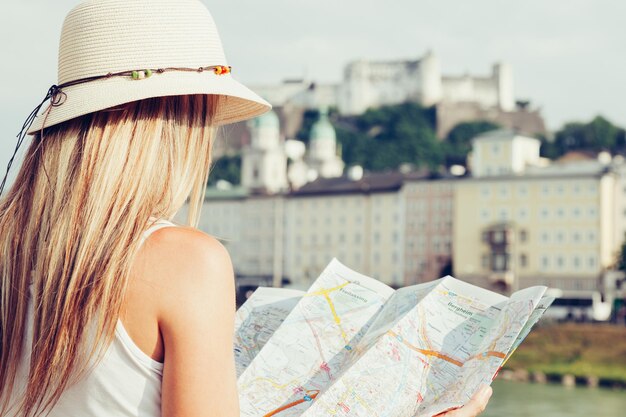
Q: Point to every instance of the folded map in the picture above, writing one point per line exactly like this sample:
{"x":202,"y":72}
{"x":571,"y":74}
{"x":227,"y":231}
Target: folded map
{"x":352,"y":346}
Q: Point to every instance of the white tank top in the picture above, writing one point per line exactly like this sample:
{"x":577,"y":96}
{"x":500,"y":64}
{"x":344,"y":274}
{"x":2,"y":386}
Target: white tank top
{"x":126,"y":383}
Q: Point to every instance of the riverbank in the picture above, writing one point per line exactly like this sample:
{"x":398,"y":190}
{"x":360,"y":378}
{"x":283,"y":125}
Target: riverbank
{"x":584,"y":351}
{"x":517,"y":399}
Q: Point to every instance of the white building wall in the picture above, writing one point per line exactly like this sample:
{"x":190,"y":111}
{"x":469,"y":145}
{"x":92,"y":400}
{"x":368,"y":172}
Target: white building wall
{"x":362,"y":231}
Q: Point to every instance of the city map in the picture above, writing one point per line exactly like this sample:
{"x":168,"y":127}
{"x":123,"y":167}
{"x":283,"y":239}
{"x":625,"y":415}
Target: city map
{"x":352,"y":346}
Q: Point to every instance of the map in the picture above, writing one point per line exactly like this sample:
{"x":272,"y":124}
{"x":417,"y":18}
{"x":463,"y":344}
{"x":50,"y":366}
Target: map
{"x":352,"y":346}
{"x":258,"y":318}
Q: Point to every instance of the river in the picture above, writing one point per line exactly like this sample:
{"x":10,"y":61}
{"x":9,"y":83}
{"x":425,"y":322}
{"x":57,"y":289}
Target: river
{"x":517,"y":399}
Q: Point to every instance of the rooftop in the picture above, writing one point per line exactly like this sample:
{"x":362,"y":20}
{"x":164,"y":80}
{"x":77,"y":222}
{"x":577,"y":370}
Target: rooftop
{"x":369,"y":183}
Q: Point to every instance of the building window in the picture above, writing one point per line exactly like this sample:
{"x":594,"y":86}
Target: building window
{"x":545,"y":237}
{"x":500,"y":262}
{"x":523,"y":260}
{"x":576,"y":262}
{"x":560,"y":213}
{"x":559,"y":237}
{"x":523,"y":235}
{"x":522,"y":214}
{"x":592,"y":212}
{"x":544,"y":213}
{"x":592,"y":261}
{"x":593,"y":189}
{"x":545,"y":262}
{"x":522,"y":190}
{"x":560,"y":262}
{"x":484,"y":190}
{"x":485,"y":261}
{"x":592,"y":236}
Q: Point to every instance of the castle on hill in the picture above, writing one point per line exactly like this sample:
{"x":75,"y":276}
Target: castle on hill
{"x":370,"y":84}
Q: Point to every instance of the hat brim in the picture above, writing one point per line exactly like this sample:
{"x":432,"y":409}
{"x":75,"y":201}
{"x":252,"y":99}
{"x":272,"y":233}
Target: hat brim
{"x":239,"y":103}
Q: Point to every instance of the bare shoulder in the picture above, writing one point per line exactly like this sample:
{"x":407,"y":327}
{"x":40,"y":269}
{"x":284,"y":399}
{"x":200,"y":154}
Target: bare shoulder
{"x":186,"y":246}
{"x":185,"y":264}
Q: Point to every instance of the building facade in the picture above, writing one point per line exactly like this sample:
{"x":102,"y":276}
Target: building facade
{"x":429,"y":209}
{"x":519,"y":222}
{"x":358,"y":221}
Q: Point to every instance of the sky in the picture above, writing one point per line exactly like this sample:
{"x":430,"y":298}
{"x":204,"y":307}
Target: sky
{"x":567,"y":56}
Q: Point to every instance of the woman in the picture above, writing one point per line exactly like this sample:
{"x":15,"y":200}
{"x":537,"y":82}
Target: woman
{"x":107,"y":308}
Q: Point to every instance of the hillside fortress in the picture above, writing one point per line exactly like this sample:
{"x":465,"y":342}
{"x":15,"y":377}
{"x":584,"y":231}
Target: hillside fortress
{"x":370,"y":84}
{"x":375,"y":83}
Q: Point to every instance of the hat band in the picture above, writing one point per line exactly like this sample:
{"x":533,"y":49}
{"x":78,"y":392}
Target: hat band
{"x":57,"y":97}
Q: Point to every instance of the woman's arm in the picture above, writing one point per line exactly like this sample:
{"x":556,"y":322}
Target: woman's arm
{"x":196,"y":320}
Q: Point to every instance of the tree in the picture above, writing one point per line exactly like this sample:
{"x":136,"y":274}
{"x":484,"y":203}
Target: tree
{"x":388,"y":136}
{"x":459,"y":140}
{"x":597,"y":135}
{"x":227,"y":168}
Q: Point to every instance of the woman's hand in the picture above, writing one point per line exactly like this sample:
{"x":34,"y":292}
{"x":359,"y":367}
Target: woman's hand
{"x":474,"y":407}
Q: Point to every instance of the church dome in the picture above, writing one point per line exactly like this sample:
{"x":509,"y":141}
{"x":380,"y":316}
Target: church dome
{"x":322,"y":129}
{"x":268,"y":119}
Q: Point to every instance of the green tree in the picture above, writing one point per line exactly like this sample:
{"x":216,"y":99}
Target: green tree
{"x":386,"y":137}
{"x":228,"y":168}
{"x":597,"y":135}
{"x":459,"y":140}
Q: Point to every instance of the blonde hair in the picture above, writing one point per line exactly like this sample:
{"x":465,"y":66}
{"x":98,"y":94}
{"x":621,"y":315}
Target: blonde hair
{"x":72,"y":222}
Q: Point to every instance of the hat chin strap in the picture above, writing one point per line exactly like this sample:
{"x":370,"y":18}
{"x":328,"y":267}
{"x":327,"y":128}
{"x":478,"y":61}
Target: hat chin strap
{"x":56,"y":97}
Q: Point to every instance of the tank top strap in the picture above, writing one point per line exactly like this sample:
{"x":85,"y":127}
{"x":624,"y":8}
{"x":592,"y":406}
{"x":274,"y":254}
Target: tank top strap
{"x":158,"y":224}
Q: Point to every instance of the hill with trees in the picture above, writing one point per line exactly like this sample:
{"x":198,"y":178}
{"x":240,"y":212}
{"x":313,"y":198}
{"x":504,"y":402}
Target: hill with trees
{"x":390,"y":136}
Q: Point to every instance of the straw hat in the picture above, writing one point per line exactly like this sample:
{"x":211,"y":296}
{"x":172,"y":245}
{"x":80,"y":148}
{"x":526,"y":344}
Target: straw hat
{"x":118,"y":51}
